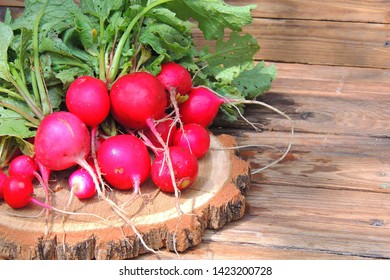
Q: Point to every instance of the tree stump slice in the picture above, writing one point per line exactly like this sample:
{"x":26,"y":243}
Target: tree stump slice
{"x":217,"y":197}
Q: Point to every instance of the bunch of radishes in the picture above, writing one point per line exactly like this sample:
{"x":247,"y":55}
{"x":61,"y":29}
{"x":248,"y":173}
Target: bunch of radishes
{"x":164,"y":133}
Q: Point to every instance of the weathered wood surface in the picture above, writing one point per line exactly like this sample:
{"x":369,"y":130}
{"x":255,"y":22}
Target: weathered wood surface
{"x":216,"y":198}
{"x":347,"y":33}
{"x":374,"y":11}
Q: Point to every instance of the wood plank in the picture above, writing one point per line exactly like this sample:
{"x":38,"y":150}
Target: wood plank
{"x":320,"y":42}
{"x":324,"y":99}
{"x":231,"y":250}
{"x":320,"y":161}
{"x":333,"y":221}
{"x":357,"y":11}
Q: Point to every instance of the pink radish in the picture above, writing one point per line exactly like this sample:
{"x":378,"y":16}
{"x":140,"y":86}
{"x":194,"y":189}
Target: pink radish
{"x":201,"y":107}
{"x":136,"y":98}
{"x":87,"y":97}
{"x":174,"y":76}
{"x":185,"y":167}
{"x":3,"y":179}
{"x":81,"y":184}
{"x":124,"y":161}
{"x":24,"y":166}
{"x":62,"y":141}
{"x":193,"y":137}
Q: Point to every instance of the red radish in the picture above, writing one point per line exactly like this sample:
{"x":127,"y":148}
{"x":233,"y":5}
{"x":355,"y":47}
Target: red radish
{"x":201,"y":107}
{"x":193,"y":137}
{"x":124,"y":161}
{"x":3,"y":179}
{"x":24,"y":166}
{"x":175,"y":76}
{"x":166,"y":128}
{"x":18,"y":193}
{"x":185,"y":167}
{"x":137,"y":97}
{"x":82,"y":184}
{"x":87,"y":97}
{"x":62,"y":140}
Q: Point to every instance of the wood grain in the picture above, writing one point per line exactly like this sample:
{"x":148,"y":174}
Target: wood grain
{"x":373,"y":11}
{"x":325,"y":99}
{"x":320,"y":42}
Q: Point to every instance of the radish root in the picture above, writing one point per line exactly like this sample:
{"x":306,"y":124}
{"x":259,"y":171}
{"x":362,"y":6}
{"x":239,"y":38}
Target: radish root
{"x":263,"y":104}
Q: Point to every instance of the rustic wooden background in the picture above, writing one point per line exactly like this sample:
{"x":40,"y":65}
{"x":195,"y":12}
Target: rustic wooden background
{"x":330,"y":197}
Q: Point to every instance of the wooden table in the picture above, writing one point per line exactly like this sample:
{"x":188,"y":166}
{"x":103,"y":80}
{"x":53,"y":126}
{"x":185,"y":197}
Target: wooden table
{"x":330,"y":197}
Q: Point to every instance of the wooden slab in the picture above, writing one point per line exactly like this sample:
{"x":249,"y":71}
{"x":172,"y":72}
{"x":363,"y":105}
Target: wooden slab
{"x":215,"y":199}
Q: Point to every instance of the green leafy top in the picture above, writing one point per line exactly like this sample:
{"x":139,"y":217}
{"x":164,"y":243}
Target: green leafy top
{"x":55,"y":41}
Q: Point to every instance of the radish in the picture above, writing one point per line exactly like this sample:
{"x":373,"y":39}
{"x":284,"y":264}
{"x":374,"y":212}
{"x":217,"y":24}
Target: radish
{"x":193,"y":137}
{"x":124,"y":161}
{"x":185,"y":167}
{"x":136,"y":98}
{"x":87,"y":97}
{"x":81,"y":184}
{"x":18,"y":192}
{"x":62,"y":141}
{"x":201,"y":107}
{"x":3,"y":179}
{"x":174,"y":76}
{"x":23,"y":166}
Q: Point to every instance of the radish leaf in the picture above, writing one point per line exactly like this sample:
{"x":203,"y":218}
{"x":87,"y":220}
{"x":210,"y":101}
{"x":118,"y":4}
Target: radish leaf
{"x":213,"y":16}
